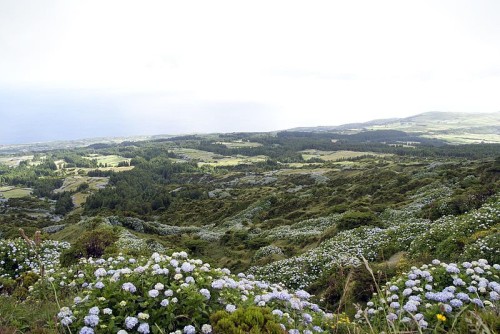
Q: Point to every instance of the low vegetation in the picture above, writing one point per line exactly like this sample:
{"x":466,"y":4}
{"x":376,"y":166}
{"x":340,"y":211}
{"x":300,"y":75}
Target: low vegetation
{"x":294,"y":232}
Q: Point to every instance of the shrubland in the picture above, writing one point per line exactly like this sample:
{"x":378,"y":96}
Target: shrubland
{"x":406,"y":241}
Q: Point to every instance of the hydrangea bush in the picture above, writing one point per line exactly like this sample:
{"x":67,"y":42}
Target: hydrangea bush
{"x":447,"y":233}
{"x":18,"y":256}
{"x":171,"y":294}
{"x":434,"y":295}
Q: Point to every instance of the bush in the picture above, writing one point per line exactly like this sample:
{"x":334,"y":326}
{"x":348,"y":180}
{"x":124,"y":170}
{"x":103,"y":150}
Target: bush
{"x":91,"y":244}
{"x":254,"y":320}
{"x":353,"y":219}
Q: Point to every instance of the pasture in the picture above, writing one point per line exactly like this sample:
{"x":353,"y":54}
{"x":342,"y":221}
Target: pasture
{"x":14,"y":192}
{"x":335,"y":155}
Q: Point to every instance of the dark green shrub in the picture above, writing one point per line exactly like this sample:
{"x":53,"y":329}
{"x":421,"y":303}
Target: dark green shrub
{"x":339,"y":208}
{"x":344,"y":286}
{"x":90,"y":244}
{"x":355,"y":219}
{"x":7,"y":285}
{"x":82,"y":187}
{"x":196,"y":246}
{"x":251,"y":320}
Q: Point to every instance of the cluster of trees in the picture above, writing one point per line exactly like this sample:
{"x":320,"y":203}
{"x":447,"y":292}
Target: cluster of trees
{"x":142,"y":190}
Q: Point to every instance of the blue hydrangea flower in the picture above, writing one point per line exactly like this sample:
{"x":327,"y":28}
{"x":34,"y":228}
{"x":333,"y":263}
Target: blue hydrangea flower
{"x":189,"y":329}
{"x":86,"y":330}
{"x":143,"y":328}
{"x":131,"y":322}
{"x":91,"y":320}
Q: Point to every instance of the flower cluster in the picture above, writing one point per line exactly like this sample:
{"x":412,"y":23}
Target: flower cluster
{"x":446,"y":231}
{"x":16,"y":256}
{"x":433,"y":293}
{"x":174,"y":293}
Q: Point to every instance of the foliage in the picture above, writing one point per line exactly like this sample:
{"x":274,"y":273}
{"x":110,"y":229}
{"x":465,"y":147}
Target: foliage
{"x":18,"y":256}
{"x":252,"y":320}
{"x":173,"y":293}
{"x":92,"y":243}
{"x":355,"y":219}
{"x":435,"y":296}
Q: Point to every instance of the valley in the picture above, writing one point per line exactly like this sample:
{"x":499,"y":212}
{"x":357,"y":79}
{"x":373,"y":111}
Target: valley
{"x":333,"y":219}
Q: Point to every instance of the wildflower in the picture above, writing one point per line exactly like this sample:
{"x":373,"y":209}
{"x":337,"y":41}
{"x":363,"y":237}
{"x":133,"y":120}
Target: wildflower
{"x":456,"y":302}
{"x":394,"y":305}
{"x":423,"y":324}
{"x":410,"y":283}
{"x":164,"y":302}
{"x":189,"y":329}
{"x":99,"y":285}
{"x":206,"y":329}
{"x":452,"y":268}
{"x":410,"y":307}
{"x":205,"y":293}
{"x":391,"y":317}
{"x":168,"y":293}
{"x":494,"y":296}
{"x":91,"y":320}
{"x":277,"y":312}
{"x":130,"y":322}
{"x":143,"y":316}
{"x":129,"y":287}
{"x":122,"y":303}
{"x":121,"y":331}
{"x":440,"y":317}
{"x":101,"y":272}
{"x":159,"y":286}
{"x":230,"y":308}
{"x":187,"y":267}
{"x":153,"y":293}
{"x":86,"y":330}
{"x":478,"y":302}
{"x":94,"y":310}
{"x":64,"y":312}
{"x":143,"y":328}
{"x":472,"y":289}
{"x":218,"y":284}
{"x":447,"y":308}
{"x":302,"y":294}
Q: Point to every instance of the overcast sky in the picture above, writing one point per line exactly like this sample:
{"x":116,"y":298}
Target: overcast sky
{"x":78,"y":69}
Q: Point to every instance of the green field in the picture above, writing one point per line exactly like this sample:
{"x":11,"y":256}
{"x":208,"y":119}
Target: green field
{"x":213,"y":159}
{"x":239,"y":144}
{"x":234,"y":161}
{"x":467,"y":138}
{"x":335,"y":155}
{"x":71,"y":183}
{"x":14,"y":192}
{"x":14,"y":161}
{"x":108,"y":160}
